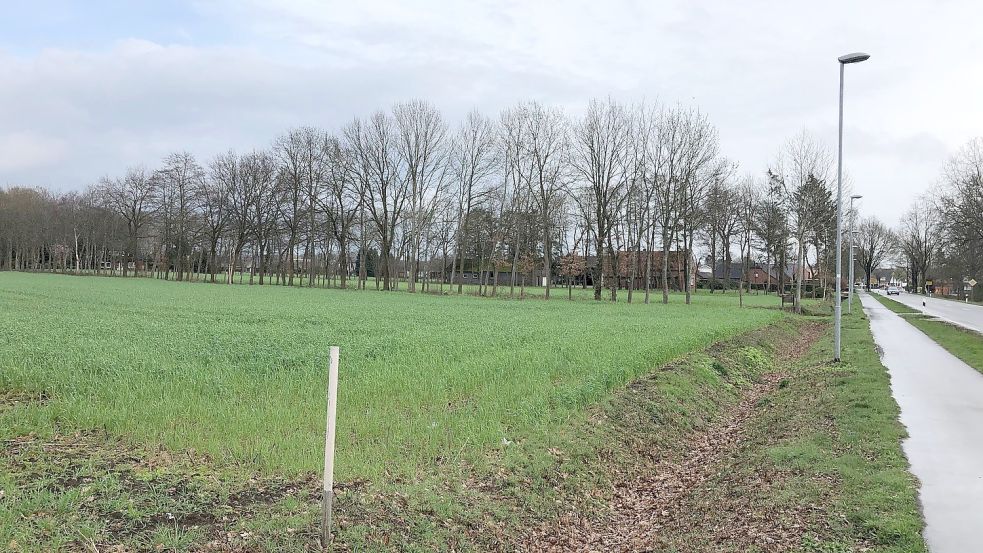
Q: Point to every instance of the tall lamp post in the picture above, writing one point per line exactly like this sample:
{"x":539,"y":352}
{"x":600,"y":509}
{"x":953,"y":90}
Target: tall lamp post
{"x":853,"y":215}
{"x":856,"y":57}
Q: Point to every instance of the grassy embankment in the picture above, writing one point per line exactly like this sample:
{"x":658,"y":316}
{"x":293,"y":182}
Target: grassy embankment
{"x":835,"y":430}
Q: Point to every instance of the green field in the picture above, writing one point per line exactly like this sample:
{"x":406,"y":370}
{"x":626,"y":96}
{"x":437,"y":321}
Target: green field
{"x":140,"y":414}
{"x":238,"y":372}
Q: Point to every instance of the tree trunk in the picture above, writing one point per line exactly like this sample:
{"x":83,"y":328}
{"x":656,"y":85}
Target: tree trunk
{"x":665,"y":269}
{"x":800,"y":270}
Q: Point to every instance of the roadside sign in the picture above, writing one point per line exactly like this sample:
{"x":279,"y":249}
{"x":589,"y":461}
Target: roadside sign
{"x":972,"y":282}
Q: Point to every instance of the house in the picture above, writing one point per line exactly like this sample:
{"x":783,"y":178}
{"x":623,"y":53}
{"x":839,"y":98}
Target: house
{"x":632,"y":267}
{"x":881,"y":278}
{"x":758,"y":275}
{"x":117,"y":265}
{"x":473,"y":274}
{"x":761,"y":276}
{"x":810,"y":272}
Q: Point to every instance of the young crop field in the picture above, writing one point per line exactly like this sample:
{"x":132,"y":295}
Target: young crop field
{"x":138,"y":414}
{"x":239,"y":372}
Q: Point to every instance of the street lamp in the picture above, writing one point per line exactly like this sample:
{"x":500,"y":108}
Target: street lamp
{"x":853,"y":215}
{"x":838,"y":313}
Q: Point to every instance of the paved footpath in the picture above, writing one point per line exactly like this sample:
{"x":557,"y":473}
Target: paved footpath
{"x":941,"y":401}
{"x":963,"y":314}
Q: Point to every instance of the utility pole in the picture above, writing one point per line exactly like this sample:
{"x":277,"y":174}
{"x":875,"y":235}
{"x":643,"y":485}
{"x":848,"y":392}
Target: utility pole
{"x":853,"y":236}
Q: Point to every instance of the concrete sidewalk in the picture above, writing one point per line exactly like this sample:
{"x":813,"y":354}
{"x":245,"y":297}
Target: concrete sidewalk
{"x":941,"y":401}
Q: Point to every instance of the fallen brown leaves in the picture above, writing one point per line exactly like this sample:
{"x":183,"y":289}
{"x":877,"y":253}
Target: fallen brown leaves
{"x":696,"y":502}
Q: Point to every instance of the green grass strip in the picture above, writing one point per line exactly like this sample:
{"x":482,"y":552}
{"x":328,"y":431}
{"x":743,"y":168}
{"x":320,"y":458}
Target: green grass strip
{"x":963,"y":343}
{"x":894,"y":305}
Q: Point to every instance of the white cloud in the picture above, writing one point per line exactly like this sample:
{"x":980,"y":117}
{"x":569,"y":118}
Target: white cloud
{"x":28,"y":150}
{"x":762,"y":70}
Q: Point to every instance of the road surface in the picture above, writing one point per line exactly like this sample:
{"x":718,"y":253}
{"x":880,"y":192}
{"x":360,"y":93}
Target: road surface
{"x":941,"y":401}
{"x":967,"y":315}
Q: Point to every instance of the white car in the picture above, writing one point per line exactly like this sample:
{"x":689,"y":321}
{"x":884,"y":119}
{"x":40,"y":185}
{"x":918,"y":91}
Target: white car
{"x":893,"y":290}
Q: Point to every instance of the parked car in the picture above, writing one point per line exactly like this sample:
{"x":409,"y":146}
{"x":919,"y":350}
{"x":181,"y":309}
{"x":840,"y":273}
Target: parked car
{"x":893,"y":290}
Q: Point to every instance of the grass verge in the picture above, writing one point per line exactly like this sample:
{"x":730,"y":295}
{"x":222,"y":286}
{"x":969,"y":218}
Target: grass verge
{"x":961,"y":342}
{"x":894,"y":305}
{"x":83,"y":490}
{"x":834,"y":432}
{"x":817,"y":468}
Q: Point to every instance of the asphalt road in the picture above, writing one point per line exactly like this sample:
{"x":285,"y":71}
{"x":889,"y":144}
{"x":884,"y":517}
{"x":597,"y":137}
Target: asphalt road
{"x":963,"y":314}
{"x":941,"y":401}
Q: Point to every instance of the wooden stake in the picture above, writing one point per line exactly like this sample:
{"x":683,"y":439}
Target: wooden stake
{"x":329,"y":438}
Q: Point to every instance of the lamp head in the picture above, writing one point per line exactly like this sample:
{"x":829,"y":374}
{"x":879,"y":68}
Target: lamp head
{"x":855,"y":57}
{"x":856,"y":197}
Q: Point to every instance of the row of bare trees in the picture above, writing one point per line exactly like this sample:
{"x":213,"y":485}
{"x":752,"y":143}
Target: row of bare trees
{"x":406,"y":198}
{"x":941,"y":236}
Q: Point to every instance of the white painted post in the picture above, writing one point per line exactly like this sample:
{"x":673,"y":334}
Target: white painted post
{"x":329,"y":437}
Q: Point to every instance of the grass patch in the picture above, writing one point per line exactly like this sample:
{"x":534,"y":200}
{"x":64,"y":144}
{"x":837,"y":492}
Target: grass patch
{"x":819,"y":468}
{"x":448,"y":406}
{"x":894,"y":305}
{"x":961,"y":342}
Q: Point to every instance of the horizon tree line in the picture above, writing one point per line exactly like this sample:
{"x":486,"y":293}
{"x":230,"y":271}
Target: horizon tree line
{"x":408,"y":199}
{"x":941,"y":234}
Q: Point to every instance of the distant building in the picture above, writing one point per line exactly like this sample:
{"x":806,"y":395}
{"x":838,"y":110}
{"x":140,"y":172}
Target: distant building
{"x":632,"y":267}
{"x":473,"y":274}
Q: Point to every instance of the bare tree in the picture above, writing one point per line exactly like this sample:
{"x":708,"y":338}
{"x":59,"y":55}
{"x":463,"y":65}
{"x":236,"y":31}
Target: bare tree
{"x":747,"y":200}
{"x":302,"y":167}
{"x":804,"y":166}
{"x":215,"y":197}
{"x":132,"y":198}
{"x":917,"y":239}
{"x":600,"y":154}
{"x":961,"y":208}
{"x":548,"y":144}
{"x":344,"y":199}
{"x":512,"y":199}
{"x":422,"y":149}
{"x":874,"y":242}
{"x":259,"y":176}
{"x":700,"y":167}
{"x":177,"y":182}
{"x":772,"y":229}
{"x":723,"y":216}
{"x":374,"y":146}
{"x":473,"y":160}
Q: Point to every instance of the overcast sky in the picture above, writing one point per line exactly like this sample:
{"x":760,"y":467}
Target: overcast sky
{"x":88,"y":88}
